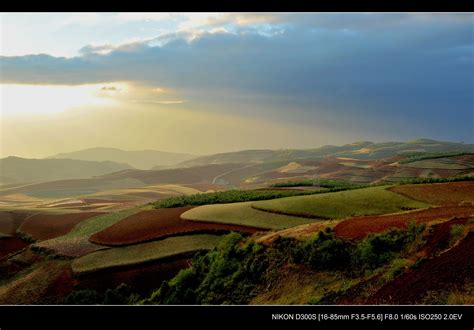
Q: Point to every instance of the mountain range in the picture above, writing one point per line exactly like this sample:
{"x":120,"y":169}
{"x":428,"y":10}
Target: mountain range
{"x":15,"y":170}
{"x":139,"y":159}
{"x":122,"y":165}
{"x":358,"y":150}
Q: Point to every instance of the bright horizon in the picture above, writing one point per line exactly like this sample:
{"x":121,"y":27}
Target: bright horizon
{"x":210,"y":83}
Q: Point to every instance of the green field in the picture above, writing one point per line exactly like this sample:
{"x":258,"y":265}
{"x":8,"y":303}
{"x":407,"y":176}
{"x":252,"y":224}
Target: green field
{"x":431,"y":155}
{"x":60,"y":193}
{"x":436,"y":164}
{"x":228,"y":196}
{"x":338,"y":205}
{"x":76,"y":242}
{"x":243,"y":214}
{"x":355,"y":164}
{"x":96,"y":224}
{"x":142,"y":253}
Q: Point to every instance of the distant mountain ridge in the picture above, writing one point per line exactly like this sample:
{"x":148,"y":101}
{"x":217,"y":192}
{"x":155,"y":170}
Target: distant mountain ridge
{"x":140,"y":159}
{"x":357,"y":150}
{"x":23,"y":170}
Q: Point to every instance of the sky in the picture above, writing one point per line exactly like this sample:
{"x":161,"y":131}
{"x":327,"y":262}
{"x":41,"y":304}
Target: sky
{"x":203,"y":83}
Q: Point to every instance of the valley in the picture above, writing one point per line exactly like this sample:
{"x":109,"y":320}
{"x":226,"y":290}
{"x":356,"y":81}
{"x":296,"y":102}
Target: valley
{"x":334,"y":225}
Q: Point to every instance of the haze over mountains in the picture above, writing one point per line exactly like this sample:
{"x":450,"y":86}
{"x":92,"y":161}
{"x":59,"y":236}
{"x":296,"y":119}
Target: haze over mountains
{"x":22,"y":170}
{"x":139,"y":159}
{"x":105,"y":161}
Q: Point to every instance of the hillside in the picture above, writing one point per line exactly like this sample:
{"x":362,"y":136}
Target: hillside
{"x":120,"y":179}
{"x":23,"y":170}
{"x":141,"y":159}
{"x":357,"y":150}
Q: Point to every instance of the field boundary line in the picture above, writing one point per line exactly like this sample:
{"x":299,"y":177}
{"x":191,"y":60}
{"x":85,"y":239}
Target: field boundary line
{"x":300,"y":215}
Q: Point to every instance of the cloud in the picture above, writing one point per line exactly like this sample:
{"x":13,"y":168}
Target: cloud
{"x":160,"y":102}
{"x":110,"y":89}
{"x":97,"y":49}
{"x":378,"y":65}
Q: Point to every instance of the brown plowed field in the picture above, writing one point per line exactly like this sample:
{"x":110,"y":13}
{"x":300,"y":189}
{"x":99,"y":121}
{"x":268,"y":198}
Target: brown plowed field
{"x":47,"y":226}
{"x":451,"y":193}
{"x":11,"y":244}
{"x":452,"y":268}
{"x":439,"y":237}
{"x":360,"y":227}
{"x":156,"y":224}
{"x":10,"y":221}
{"x":142,"y":279}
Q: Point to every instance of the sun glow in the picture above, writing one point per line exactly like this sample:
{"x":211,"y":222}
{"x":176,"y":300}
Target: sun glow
{"x":47,"y":99}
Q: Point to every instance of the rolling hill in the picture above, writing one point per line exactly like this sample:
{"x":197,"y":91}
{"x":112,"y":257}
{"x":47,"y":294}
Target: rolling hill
{"x":23,"y":170}
{"x":140,"y":159}
{"x":120,"y":179}
{"x":357,"y":150}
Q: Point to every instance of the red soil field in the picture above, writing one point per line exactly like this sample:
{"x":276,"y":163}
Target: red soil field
{"x":46,"y":226}
{"x":142,"y":279}
{"x":60,"y":287}
{"x":439,"y":237}
{"x":360,"y":227}
{"x":451,"y":193}
{"x":450,"y":269}
{"x":11,"y":244}
{"x":100,"y":201}
{"x":10,"y":221}
{"x":156,"y":224}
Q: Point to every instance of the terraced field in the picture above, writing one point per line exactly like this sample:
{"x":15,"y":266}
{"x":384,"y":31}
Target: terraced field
{"x":33,"y":284}
{"x":450,"y":269}
{"x":9,"y":224}
{"x":438,"y":163}
{"x":76,"y":242}
{"x":339,"y":205}
{"x":299,"y":232}
{"x":47,"y":226}
{"x":10,"y":245}
{"x":451,"y":193}
{"x":143,"y":253}
{"x":243,"y":214}
{"x":360,"y":227}
{"x":157,"y":224}
{"x":10,"y":221}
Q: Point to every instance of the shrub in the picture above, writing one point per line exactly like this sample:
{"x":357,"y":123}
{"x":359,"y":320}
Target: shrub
{"x":331,"y":185}
{"x":121,"y":295}
{"x":231,"y":272}
{"x":118,"y":296}
{"x":326,"y":252}
{"x":397,"y":268}
{"x":416,"y":156}
{"x":290,"y":248}
{"x":229,"y":196}
{"x":457,"y":231}
{"x":225,"y":275}
{"x":25,"y":236}
{"x":83,"y":297}
{"x":437,"y":180}
{"x":380,"y":248}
